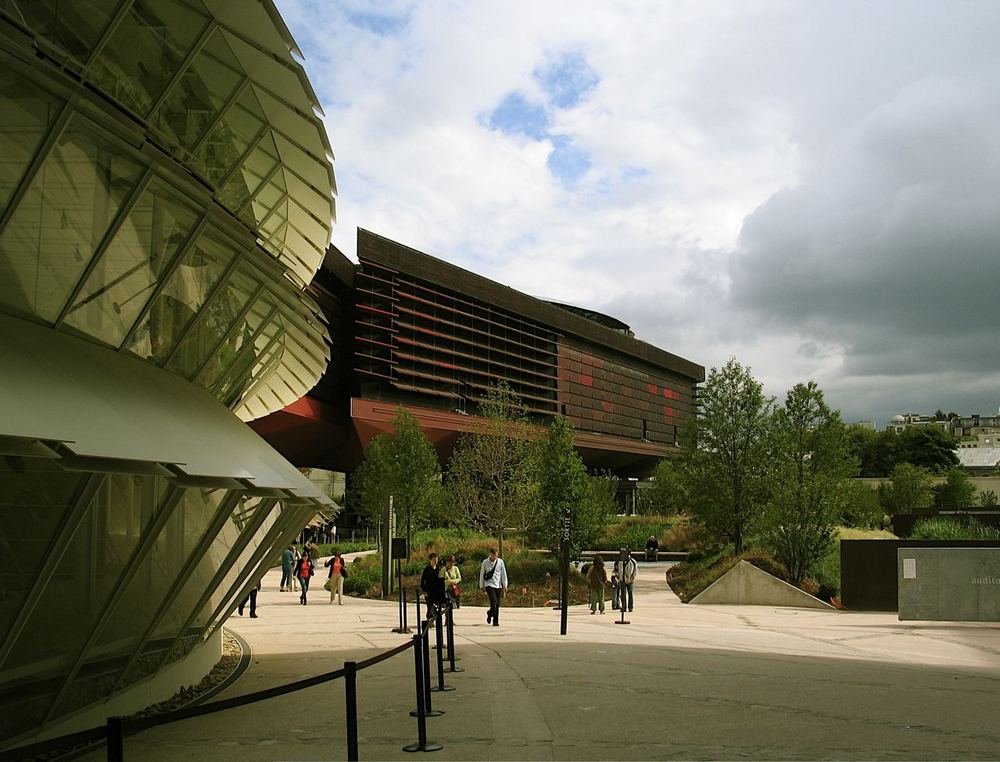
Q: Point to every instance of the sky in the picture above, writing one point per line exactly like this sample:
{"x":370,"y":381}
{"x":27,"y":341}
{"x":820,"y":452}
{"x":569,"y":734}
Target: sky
{"x":810,"y":187}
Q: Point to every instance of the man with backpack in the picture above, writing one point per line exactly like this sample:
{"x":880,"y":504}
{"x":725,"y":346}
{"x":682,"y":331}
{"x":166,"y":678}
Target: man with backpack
{"x":493,"y":578}
{"x":625,"y":570}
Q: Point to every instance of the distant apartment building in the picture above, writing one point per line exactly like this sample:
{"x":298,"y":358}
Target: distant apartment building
{"x":974,"y":431}
{"x":899,"y":423}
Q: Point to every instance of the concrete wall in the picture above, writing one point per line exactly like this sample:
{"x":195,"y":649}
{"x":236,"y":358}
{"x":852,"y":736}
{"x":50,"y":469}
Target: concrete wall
{"x":949,"y":584}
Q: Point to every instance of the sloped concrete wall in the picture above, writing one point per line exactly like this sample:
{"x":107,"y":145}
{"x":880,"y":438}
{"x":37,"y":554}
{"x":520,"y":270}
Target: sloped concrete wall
{"x":747,"y":585}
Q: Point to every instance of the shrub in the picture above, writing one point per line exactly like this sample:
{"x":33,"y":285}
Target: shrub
{"x":672,"y":532}
{"x":860,"y":506}
{"x":329,"y":548}
{"x":987,"y":499}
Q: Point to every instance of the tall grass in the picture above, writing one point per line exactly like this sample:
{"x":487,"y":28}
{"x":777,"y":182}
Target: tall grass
{"x":946,"y":528}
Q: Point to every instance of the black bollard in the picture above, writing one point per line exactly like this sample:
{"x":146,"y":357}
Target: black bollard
{"x":116,"y":740}
{"x":451,"y":644}
{"x":430,"y":711}
{"x":439,"y":634}
{"x":422,"y":743}
{"x":351,"y":703}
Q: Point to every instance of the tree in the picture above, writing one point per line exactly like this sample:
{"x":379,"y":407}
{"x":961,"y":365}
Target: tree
{"x":724,"y":463}
{"x":810,"y":459}
{"x":859,"y":505}
{"x":929,"y":446}
{"x":565,"y":486}
{"x":402,"y":464}
{"x":877,"y":451}
{"x":492,"y":472}
{"x":909,"y":489}
{"x":665,"y":494}
{"x":957,"y":491}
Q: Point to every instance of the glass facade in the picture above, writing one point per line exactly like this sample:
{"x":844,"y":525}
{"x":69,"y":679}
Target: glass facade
{"x":166,"y":193}
{"x":101,"y":237}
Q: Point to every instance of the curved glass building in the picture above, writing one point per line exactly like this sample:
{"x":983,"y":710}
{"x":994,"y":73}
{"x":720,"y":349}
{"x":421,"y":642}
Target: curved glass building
{"x":166,"y":193}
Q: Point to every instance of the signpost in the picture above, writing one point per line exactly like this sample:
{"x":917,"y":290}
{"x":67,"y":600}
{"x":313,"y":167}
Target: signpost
{"x":564,"y":541}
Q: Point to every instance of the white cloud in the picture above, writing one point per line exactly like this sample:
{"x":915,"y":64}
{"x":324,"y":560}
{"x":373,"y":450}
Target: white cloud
{"x":808,"y":186}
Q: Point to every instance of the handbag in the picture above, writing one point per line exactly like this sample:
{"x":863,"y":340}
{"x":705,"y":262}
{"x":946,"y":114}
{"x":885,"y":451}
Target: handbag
{"x":456,"y":590}
{"x":328,"y":585}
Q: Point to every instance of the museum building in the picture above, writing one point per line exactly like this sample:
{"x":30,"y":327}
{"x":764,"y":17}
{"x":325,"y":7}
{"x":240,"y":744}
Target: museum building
{"x":166,"y":194}
{"x":412,"y":330}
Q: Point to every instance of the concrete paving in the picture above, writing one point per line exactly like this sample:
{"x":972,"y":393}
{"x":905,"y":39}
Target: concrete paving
{"x":678,"y":682}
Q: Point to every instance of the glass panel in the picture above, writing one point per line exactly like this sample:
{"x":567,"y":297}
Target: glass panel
{"x":34,"y":495}
{"x":214,"y":322}
{"x":182,"y":297}
{"x":149,"y":586}
{"x":242,"y":339}
{"x":179,"y":611}
{"x":62,"y":218}
{"x":81,"y":586}
{"x":193,"y":104}
{"x":73,"y":25}
{"x":230,"y":139}
{"x":27,"y":111}
{"x":133,"y":264}
{"x":145,"y":51}
{"x":239,"y":376}
{"x":247,"y":180}
{"x":236,"y":571}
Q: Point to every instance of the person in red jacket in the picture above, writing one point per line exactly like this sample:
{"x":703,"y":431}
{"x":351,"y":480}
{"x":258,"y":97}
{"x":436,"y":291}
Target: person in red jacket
{"x":304,"y":570}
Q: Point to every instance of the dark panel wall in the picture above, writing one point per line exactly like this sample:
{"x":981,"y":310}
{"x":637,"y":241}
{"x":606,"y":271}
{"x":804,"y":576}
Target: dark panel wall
{"x":868,"y":577}
{"x":607,"y":392}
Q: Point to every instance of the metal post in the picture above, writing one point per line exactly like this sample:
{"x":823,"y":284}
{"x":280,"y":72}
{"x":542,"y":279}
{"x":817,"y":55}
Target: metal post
{"x":116,"y":740}
{"x":418,"y":607}
{"x":439,"y":635}
{"x":430,"y":711}
{"x":564,"y":569}
{"x":623,"y":559}
{"x":418,"y":669}
{"x":451,"y":643}
{"x":351,"y":700}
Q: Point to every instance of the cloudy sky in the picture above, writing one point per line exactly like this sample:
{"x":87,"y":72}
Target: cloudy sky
{"x":813,"y":187}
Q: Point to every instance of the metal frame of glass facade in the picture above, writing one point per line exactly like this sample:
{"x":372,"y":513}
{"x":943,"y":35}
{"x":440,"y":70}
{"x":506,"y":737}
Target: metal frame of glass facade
{"x":166,"y":193}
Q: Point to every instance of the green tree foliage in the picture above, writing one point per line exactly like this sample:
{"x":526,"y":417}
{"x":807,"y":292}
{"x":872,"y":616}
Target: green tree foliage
{"x":909,"y":489}
{"x":562,"y":485}
{"x":930,"y":447}
{"x":492,"y":472}
{"x":723,"y":455}
{"x":402,"y":464}
{"x":859,"y":505}
{"x":809,"y":461}
{"x":879,"y":452}
{"x":957,"y":490}
{"x":665,"y":494}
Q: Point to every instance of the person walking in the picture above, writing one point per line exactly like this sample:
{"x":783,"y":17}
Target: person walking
{"x":338,"y":573}
{"x":295,"y":565}
{"x":493,"y":578}
{"x":451,"y":576}
{"x":625,"y":570}
{"x":597,"y":579}
{"x":304,"y":571}
{"x":287,"y":564}
{"x":432,"y":584}
{"x":252,"y":600}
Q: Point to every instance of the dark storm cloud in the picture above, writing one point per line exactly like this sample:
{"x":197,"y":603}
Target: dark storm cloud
{"x":890,"y":247}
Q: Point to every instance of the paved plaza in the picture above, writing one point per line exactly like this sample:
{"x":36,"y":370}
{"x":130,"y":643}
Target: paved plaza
{"x":679,"y":682}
